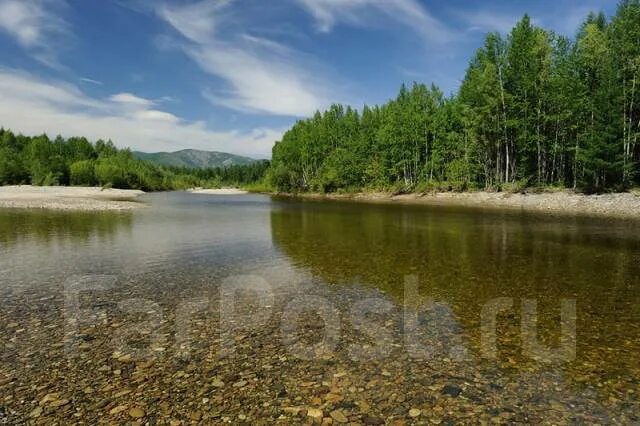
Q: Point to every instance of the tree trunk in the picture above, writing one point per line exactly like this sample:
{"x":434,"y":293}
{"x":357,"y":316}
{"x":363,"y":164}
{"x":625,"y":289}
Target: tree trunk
{"x":504,"y":117}
{"x":575,"y":164}
{"x":629,"y":132}
{"x":555,"y":151}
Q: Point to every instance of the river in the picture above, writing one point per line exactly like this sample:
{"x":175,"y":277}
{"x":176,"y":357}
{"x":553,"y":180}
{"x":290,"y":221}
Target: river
{"x":256,"y":309}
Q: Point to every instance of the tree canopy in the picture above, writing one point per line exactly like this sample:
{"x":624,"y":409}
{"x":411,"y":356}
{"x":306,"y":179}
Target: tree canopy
{"x":534,"y":109}
{"x":76,"y":161}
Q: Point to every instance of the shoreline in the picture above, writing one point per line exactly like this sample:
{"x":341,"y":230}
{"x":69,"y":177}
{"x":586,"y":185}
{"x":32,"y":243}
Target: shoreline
{"x":69,"y":198}
{"x":218,"y":191}
{"x":564,"y":203}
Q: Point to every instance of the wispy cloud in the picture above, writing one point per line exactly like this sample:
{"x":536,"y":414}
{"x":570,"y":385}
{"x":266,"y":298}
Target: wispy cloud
{"x":36,"y":25}
{"x":262,"y":75}
{"x":32,"y":105}
{"x":131,"y":100}
{"x":91,"y":81}
{"x":411,"y":13}
{"x":259,"y":83}
{"x":486,"y":21}
{"x":562,"y":19}
{"x":196,"y":21}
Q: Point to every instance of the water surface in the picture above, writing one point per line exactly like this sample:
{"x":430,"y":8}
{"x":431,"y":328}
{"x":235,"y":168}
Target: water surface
{"x":105,"y":312}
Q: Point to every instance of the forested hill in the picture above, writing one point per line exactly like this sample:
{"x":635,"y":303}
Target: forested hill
{"x":191,"y":158}
{"x":534,"y":109}
{"x":39,"y":160}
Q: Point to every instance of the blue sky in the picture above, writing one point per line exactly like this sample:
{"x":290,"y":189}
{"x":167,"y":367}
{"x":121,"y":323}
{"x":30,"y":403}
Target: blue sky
{"x":233,"y":75}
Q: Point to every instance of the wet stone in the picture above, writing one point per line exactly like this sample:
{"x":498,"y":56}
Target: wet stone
{"x":338,"y":416}
{"x":452,"y":390}
{"x":414,"y":412}
{"x":117,"y":410}
{"x":49,"y":398}
{"x":59,"y":403}
{"x":136,"y":412}
{"x":315,"y":413}
{"x":280,"y":390}
{"x":36,"y":412}
{"x":372,"y":420}
{"x":217,"y":383}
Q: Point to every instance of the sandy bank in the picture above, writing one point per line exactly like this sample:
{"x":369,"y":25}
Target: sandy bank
{"x":625,"y":205}
{"x":220,"y":191}
{"x":68,"y":198}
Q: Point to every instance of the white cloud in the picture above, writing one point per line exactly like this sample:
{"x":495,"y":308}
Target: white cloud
{"x":262,"y":75}
{"x":35,"y":25}
{"x":131,"y":99}
{"x":195,"y":21}
{"x":258,"y":84}
{"x":32,"y":105}
{"x":155,"y":115}
{"x":410,"y":13}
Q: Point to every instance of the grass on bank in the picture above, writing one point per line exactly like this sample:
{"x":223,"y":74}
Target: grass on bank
{"x":258,"y":187}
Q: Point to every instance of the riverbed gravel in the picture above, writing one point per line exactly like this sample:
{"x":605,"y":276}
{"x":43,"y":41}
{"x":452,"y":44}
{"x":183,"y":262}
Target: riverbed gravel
{"x":68,"y":198}
{"x":618,"y":205}
{"x":56,"y":372}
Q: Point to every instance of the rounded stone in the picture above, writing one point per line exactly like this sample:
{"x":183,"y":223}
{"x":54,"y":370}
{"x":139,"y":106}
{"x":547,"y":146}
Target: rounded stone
{"x":136,"y":412}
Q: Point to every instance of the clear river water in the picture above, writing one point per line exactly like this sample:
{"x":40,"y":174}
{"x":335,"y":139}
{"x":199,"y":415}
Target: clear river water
{"x":260,"y":310}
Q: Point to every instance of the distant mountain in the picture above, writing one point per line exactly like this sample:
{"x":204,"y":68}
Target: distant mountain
{"x":193,"y":158}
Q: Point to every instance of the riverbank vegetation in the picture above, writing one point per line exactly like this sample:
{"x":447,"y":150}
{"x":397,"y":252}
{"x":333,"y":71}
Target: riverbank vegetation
{"x":535,"y":109}
{"x":75,"y":161}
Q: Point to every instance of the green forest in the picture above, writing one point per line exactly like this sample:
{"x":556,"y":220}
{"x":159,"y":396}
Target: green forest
{"x":76,"y":161}
{"x":535,"y":110}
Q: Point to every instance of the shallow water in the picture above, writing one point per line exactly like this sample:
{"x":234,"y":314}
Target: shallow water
{"x":246,"y":308}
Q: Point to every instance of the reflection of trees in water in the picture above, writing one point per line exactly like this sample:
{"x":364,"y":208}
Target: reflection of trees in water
{"x":466,"y":258}
{"x":49,"y":226}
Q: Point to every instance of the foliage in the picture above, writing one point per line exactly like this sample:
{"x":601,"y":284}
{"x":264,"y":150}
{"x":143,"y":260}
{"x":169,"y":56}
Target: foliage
{"x":76,"y":161}
{"x":83,"y":173}
{"x":534,"y":110}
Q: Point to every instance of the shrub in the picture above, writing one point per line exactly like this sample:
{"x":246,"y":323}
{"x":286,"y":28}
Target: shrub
{"x":515,"y":187}
{"x":83,"y":173}
{"x":11,"y":171}
{"x":108,"y":173}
